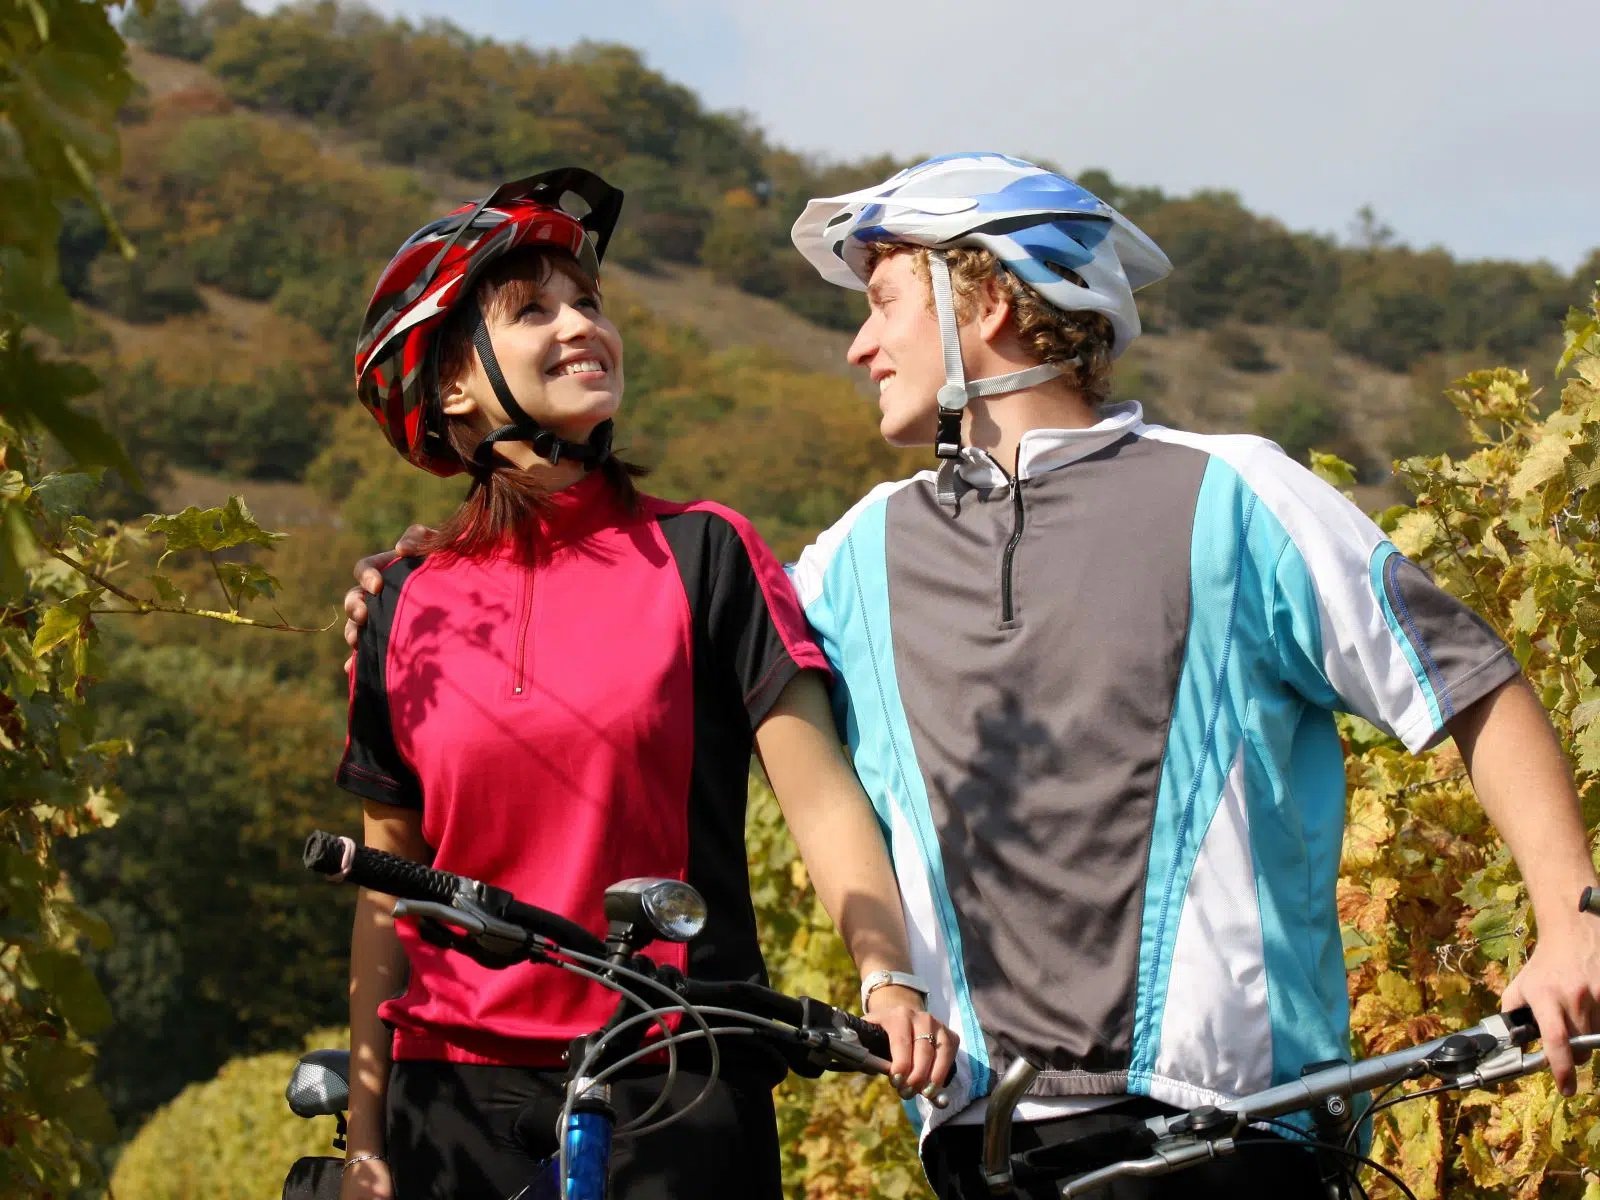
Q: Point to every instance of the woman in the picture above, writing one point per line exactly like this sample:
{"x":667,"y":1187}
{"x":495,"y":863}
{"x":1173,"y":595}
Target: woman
{"x":565,"y":693}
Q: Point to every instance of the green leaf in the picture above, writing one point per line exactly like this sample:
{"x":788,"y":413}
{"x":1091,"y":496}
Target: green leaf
{"x":246,"y":581}
{"x":1581,"y":333}
{"x":1587,"y":746}
{"x":1525,"y":614}
{"x":13,"y":486}
{"x":66,"y":493}
{"x":168,"y":592}
{"x":64,"y":621}
{"x":59,"y":624}
{"x":53,"y":1067}
{"x":1491,"y":924}
{"x":35,"y":393}
{"x":210,"y":529}
{"x":19,"y":549}
{"x":73,"y":990}
{"x":1332,"y":469}
{"x":90,"y":926}
{"x":85,"y":1112}
{"x":55,"y":1071}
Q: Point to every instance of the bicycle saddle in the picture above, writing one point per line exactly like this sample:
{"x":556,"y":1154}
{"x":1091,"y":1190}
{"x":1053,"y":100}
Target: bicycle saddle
{"x":320,"y":1084}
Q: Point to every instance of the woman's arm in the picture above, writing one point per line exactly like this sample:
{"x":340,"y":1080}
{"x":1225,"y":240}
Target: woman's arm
{"x":377,"y":964}
{"x":839,"y":839}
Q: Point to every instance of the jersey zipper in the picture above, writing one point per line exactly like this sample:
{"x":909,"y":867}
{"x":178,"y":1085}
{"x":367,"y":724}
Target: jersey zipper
{"x":519,"y":671}
{"x":1007,"y":609}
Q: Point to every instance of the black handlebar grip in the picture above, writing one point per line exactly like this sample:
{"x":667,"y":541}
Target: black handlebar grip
{"x":569,"y":935}
{"x":378,"y":871}
{"x":1523,"y":1027}
{"x":874,"y":1039}
{"x":324,"y":853}
{"x":1589,"y":902}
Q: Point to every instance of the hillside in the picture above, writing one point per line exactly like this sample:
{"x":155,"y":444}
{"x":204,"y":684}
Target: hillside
{"x":1288,"y":382}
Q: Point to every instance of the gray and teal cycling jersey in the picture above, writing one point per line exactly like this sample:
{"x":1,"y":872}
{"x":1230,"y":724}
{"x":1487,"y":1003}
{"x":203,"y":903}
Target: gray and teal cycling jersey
{"x":1093,"y":711}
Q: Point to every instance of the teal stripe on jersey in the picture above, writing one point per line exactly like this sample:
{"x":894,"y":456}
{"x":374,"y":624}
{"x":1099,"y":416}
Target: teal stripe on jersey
{"x":1202,"y":739}
{"x":1297,"y":826}
{"x":1407,"y":636}
{"x":852,"y":616}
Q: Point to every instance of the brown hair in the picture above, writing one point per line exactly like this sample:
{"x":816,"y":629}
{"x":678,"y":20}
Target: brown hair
{"x":1051,"y":335}
{"x":505,"y":502}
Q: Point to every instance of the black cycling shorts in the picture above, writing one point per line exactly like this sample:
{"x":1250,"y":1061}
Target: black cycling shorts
{"x":468,"y":1132}
{"x":953,"y":1157}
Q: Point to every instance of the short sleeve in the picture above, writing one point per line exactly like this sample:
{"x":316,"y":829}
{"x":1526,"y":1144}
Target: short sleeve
{"x":754,"y":624}
{"x":372,"y":766}
{"x":1360,"y":627}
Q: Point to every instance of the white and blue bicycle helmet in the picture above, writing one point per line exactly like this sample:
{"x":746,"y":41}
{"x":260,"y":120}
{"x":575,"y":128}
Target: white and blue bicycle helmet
{"x":1063,"y":242}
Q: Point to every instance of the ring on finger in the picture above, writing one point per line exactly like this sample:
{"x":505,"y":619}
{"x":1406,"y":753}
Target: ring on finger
{"x":927,"y":1037}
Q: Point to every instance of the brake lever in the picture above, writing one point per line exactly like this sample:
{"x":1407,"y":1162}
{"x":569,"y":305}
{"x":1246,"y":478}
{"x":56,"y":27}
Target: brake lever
{"x":1514,"y":1063}
{"x":1164,"y":1159}
{"x":833,"y":1046}
{"x":466,"y":928}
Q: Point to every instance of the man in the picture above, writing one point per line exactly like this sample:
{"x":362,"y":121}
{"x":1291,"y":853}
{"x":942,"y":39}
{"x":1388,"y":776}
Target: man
{"x":1087,"y":670}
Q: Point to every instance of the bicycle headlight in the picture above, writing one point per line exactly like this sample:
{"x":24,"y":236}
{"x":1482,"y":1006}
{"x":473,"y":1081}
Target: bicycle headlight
{"x":672,"y":908}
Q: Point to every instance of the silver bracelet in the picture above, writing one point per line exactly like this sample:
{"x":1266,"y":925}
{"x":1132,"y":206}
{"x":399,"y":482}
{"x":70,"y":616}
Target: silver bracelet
{"x":355,"y":1158}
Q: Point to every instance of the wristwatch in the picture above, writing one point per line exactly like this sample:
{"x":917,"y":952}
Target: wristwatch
{"x":878,"y":979}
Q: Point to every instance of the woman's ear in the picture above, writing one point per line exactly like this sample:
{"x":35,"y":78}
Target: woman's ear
{"x":994,"y":308}
{"x":454,"y":398}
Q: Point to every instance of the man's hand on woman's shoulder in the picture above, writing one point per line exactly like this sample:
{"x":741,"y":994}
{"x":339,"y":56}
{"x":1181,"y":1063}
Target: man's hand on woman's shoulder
{"x":369,"y":578}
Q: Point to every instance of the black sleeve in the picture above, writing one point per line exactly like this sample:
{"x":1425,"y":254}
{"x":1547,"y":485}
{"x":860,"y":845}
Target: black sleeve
{"x":372,"y":767}
{"x":753,"y":628}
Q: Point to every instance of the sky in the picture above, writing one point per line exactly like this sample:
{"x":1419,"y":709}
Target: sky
{"x":1463,"y":123}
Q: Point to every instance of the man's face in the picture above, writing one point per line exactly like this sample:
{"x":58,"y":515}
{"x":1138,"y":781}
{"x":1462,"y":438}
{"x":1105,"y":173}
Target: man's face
{"x":899,"y":346}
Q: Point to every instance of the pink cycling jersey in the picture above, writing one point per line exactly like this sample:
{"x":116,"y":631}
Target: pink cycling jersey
{"x":565,"y":722}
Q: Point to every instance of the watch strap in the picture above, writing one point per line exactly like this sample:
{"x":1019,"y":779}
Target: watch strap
{"x":877,"y":979}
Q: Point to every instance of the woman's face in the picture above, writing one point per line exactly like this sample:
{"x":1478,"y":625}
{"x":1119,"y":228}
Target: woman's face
{"x":560,"y":355}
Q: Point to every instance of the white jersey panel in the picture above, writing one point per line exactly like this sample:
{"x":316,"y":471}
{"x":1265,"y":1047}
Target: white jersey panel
{"x":1217,"y":1026}
{"x":1363,"y":662}
{"x":808,"y":572}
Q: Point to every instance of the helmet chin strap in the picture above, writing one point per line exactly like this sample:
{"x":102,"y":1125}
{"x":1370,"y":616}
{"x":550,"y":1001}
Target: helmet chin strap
{"x":957,"y":389}
{"x":547,"y":444}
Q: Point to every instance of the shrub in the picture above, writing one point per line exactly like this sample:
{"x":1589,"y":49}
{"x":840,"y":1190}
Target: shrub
{"x":1236,"y":346}
{"x":231,"y":1138}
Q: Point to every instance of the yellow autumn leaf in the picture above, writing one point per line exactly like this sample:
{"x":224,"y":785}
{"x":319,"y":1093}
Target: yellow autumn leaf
{"x":1415,"y":534}
{"x":1543,"y":463}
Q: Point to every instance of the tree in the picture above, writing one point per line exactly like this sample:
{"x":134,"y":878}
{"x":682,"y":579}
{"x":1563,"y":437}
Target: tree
{"x":1436,"y":918}
{"x":63,"y":76}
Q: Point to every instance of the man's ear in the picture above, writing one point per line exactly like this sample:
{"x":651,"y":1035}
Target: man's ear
{"x":994,"y":307}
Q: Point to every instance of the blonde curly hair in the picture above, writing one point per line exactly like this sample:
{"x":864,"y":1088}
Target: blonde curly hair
{"x":1083,"y":340}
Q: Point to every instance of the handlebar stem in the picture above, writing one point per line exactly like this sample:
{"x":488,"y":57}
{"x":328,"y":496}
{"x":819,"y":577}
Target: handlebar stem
{"x":997,"y":1119}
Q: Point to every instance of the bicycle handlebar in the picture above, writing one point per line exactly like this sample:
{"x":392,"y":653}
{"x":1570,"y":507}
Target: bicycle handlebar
{"x":1484,"y":1055}
{"x":343,"y":861}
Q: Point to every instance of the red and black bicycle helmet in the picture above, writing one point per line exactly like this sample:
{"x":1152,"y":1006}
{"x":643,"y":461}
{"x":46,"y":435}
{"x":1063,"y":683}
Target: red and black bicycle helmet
{"x":397,"y":375}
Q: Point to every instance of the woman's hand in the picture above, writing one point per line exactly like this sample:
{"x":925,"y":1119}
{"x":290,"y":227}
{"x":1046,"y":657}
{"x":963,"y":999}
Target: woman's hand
{"x":369,"y":578}
{"x":368,"y":1179}
{"x":921,"y":1048}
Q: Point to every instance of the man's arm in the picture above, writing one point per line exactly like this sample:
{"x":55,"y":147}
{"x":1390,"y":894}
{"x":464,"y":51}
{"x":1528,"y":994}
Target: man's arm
{"x":1522,"y":779}
{"x":839,"y":840}
{"x":369,"y":578}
